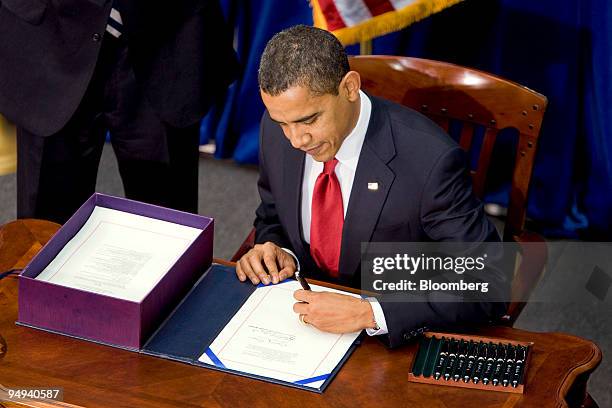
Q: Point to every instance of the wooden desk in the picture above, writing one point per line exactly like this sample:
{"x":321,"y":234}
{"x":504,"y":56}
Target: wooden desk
{"x":99,"y":376}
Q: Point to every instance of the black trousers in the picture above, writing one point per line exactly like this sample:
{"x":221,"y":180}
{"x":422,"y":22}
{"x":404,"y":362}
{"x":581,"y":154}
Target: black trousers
{"x":158,"y":163}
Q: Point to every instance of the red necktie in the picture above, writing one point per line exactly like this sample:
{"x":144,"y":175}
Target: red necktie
{"x":326,"y":220}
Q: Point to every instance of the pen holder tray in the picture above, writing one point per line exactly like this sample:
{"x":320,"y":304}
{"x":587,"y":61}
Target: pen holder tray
{"x":475,"y":362}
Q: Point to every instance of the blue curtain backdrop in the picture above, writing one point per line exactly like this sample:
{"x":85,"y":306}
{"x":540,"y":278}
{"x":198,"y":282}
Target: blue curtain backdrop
{"x":234,"y":125}
{"x":561,"y":49}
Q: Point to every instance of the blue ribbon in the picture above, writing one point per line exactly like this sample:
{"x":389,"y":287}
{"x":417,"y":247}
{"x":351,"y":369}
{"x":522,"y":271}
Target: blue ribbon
{"x":312,"y":379}
{"x":219,"y":364}
{"x":214,"y":358}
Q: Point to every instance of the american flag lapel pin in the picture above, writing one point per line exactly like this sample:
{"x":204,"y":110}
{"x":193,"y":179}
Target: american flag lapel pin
{"x":373,"y":186}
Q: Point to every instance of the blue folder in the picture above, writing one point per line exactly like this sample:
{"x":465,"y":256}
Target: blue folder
{"x":200,"y":317}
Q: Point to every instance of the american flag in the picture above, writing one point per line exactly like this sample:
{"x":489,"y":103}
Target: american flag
{"x":353,"y":21}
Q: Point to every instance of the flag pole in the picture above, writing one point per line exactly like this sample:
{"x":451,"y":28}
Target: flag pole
{"x":365,"y":47}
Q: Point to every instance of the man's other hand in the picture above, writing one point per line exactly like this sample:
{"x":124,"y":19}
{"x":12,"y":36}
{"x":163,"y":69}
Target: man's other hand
{"x":334,"y":312}
{"x":265,"y":263}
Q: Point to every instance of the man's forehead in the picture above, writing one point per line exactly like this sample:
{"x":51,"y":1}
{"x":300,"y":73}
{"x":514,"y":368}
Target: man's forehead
{"x":297,"y":94}
{"x":292,"y":105}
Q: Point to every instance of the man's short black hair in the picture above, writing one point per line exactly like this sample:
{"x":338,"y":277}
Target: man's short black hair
{"x":303,"y":56}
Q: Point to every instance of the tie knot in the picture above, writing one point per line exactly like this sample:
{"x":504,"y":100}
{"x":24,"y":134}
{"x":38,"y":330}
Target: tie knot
{"x":329,"y":166}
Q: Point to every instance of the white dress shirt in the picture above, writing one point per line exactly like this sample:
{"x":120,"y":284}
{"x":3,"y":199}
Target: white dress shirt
{"x":348,"y":157}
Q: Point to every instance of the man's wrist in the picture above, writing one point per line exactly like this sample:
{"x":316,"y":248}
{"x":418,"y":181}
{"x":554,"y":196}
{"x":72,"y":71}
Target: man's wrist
{"x":369,"y":322}
{"x":379,"y":318}
{"x":297,"y":262}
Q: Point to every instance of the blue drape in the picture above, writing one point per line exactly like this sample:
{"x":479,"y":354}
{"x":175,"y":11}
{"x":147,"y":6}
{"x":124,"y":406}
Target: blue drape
{"x":596,"y":180}
{"x":561,"y":49}
{"x":234,"y":125}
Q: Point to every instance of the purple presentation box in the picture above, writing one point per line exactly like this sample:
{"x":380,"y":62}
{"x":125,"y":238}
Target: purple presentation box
{"x":102,"y":318}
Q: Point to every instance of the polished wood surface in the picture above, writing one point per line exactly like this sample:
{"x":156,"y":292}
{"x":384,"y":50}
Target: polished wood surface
{"x":20,"y":240}
{"x":93,"y":375}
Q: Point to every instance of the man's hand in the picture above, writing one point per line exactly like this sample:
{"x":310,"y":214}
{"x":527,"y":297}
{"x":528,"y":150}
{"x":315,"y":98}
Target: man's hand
{"x":279,"y":264}
{"x":333,"y":312}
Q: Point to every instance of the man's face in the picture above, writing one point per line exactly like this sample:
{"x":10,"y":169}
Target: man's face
{"x":315,"y":124}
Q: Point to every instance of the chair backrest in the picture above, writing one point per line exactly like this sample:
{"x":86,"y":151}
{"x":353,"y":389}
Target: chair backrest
{"x":446,"y":92}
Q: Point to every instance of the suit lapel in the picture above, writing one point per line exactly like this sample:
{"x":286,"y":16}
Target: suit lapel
{"x":365,"y":204}
{"x":293,"y":172}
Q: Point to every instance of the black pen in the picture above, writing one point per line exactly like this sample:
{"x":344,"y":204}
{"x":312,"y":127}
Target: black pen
{"x":509,"y":365}
{"x":502,"y":355}
{"x":302,"y":281}
{"x":521,"y":356}
{"x":480,"y":362}
{"x":463,"y":351}
{"x":453,"y":348}
{"x":488,"y":371}
{"x":472,"y":353}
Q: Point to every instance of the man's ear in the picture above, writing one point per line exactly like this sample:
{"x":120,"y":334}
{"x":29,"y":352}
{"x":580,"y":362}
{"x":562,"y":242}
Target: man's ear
{"x":350,"y":85}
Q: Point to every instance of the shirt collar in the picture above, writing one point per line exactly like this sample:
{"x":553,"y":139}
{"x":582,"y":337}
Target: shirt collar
{"x":351,"y":146}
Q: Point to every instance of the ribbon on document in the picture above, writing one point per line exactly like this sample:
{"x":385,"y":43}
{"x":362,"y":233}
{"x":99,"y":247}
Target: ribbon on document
{"x":213,"y":357}
{"x":310,"y":380}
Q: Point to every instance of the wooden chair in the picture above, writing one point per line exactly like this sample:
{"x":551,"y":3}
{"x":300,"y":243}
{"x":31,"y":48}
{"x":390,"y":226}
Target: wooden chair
{"x":471,"y":99}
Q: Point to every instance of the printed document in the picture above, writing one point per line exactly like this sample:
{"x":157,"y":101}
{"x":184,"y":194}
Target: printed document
{"x":119,"y":254}
{"x":266,"y":338}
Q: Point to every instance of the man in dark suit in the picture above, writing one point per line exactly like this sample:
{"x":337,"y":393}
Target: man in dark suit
{"x":338,"y":168}
{"x":146,"y":71}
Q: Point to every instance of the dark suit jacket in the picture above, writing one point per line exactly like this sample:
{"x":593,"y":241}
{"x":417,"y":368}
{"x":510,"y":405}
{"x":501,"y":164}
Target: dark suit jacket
{"x":424,"y":194}
{"x":181,"y":52}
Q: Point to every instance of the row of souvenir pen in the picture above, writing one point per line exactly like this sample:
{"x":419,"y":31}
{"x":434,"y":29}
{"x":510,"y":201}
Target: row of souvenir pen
{"x":451,"y":359}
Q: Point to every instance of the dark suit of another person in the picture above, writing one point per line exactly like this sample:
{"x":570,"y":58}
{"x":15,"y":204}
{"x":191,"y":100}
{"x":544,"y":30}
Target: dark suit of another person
{"x":65,"y":82}
{"x":424,"y":194}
